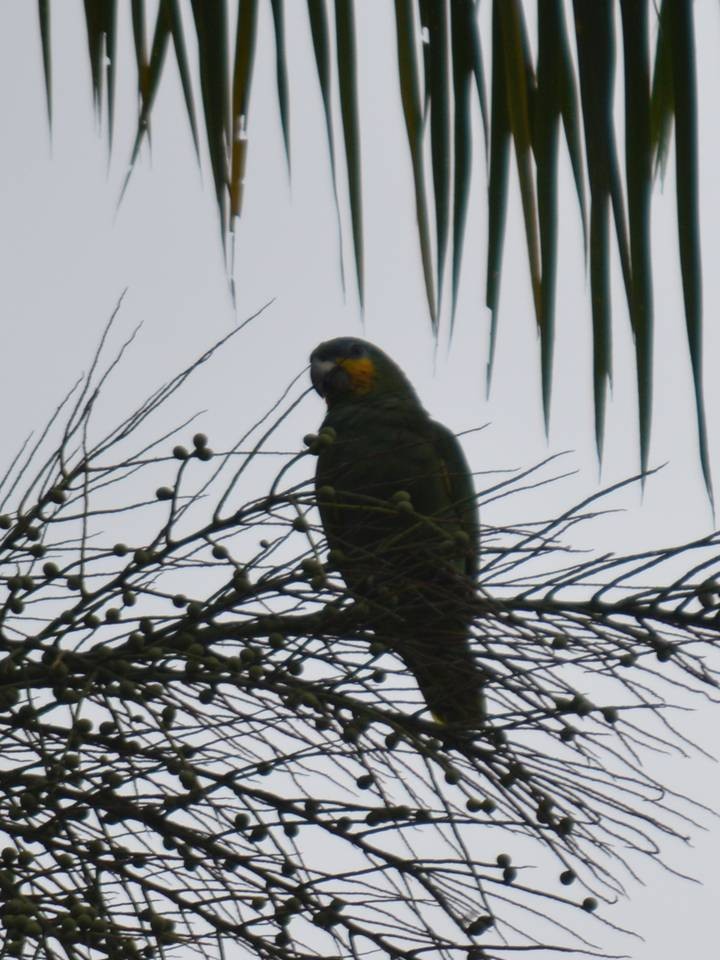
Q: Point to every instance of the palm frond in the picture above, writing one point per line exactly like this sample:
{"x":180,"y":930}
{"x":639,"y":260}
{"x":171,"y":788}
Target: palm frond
{"x":532,"y":96}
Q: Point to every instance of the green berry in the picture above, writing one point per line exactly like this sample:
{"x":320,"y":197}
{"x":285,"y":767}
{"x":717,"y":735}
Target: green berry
{"x":325,"y":438}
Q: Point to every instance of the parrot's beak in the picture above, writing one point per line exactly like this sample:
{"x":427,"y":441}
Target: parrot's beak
{"x":320,"y":372}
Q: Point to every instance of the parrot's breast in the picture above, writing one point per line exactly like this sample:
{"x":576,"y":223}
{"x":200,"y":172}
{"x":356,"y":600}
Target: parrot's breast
{"x":390,"y":513}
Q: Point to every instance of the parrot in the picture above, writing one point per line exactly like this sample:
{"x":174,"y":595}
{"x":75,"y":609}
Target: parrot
{"x":399,"y":512}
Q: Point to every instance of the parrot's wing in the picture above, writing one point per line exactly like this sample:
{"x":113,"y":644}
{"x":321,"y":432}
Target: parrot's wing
{"x":461,"y":489}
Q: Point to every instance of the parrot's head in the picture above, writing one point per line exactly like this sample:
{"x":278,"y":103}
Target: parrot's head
{"x":349,"y":368}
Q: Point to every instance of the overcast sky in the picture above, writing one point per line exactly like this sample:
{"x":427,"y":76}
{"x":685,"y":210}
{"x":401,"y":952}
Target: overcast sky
{"x":67,"y":252}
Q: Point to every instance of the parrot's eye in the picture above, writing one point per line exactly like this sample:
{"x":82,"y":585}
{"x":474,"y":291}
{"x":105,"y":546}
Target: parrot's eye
{"x":356,"y":350}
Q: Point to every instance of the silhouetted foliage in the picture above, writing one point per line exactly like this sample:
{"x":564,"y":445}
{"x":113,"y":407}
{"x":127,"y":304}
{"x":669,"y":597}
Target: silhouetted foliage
{"x":553,"y":80}
{"x":202,"y":744}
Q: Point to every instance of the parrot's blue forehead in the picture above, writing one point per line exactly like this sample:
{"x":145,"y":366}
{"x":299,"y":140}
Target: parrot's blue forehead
{"x":341,"y":348}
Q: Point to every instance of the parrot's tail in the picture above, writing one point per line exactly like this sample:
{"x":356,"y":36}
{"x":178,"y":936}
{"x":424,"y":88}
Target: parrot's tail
{"x":448,"y":676}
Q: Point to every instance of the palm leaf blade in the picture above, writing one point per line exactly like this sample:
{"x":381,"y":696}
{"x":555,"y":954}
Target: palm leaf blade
{"x":685,"y":98}
{"x":317,"y":15}
{"x":137,"y":9}
{"x":662,"y":106}
{"x":462,"y":15}
{"x":347,"y":76}
{"x":242,"y":81}
{"x":479,"y":73}
{"x":109,"y":8}
{"x":178,"y":36}
{"x":94,"y":27}
{"x":439,"y":91}
{"x":44,"y":20}
{"x":211,"y":30}
{"x":547,"y":122}
{"x":596,"y":62}
{"x":412,"y":110}
{"x":281,"y":78}
{"x":149,"y":84}
{"x":638,"y":173}
{"x":570,"y":111}
{"x":497,"y":185}
{"x":517,"y":69}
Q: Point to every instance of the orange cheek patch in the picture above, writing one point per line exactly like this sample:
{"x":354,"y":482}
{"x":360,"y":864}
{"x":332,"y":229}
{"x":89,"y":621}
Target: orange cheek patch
{"x":361,"y":373}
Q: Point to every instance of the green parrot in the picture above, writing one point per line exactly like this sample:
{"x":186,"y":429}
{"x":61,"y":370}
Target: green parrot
{"x":399,"y":512}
